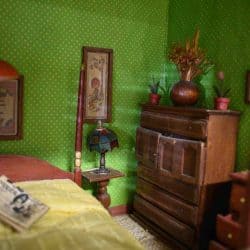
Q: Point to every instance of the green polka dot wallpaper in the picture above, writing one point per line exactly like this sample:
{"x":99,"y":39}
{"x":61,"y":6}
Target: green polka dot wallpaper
{"x":224,"y":35}
{"x":43,"y":40}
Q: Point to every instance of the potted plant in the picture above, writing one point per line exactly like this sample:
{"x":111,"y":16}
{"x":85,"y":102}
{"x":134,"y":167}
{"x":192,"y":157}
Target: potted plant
{"x":154,"y":96}
{"x":221,"y":101}
{"x":190,"y":61}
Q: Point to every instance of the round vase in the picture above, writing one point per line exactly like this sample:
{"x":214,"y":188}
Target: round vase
{"x":184,"y":93}
{"x":221,"y":103}
{"x":154,"y":98}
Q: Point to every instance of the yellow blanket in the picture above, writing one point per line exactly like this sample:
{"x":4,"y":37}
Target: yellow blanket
{"x":76,"y":220}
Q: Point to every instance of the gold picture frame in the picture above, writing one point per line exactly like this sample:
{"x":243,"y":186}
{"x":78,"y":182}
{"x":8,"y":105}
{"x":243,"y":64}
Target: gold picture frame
{"x":97,"y":89}
{"x":11,"y":108}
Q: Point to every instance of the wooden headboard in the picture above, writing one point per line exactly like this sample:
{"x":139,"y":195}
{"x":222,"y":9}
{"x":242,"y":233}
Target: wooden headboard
{"x":24,"y":168}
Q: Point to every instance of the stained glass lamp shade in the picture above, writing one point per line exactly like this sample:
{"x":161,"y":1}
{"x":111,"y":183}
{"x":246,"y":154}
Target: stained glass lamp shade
{"x":102,"y":140}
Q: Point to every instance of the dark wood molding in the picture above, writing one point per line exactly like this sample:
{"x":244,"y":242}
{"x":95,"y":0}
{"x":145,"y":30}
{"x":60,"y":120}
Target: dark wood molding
{"x":156,"y":231}
{"x":102,"y":181}
{"x":121,"y":209}
{"x":190,"y":112}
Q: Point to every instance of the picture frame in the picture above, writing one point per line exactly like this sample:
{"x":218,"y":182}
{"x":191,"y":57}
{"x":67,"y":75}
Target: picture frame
{"x":97,"y":87}
{"x":247,"y":90}
{"x":11,"y":108}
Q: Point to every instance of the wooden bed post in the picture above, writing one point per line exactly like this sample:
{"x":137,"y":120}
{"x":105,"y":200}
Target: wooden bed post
{"x":79,"y":129}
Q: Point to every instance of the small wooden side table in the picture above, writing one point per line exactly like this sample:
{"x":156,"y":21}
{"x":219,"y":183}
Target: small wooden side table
{"x":102,"y":181}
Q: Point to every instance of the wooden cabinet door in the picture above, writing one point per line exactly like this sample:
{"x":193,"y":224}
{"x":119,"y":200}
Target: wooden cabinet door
{"x":147,"y":146}
{"x":182,"y":159}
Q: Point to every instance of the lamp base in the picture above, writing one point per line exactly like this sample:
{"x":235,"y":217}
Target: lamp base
{"x":102,"y":171}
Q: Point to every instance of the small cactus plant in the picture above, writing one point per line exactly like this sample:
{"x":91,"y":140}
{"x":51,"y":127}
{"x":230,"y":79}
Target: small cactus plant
{"x":220,"y":89}
{"x":155,"y":86}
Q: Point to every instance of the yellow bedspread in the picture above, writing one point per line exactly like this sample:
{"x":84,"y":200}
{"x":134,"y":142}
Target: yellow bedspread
{"x":76,"y":220}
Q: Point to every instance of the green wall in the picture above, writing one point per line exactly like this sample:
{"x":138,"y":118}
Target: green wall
{"x":224,"y":34}
{"x":43,"y":40}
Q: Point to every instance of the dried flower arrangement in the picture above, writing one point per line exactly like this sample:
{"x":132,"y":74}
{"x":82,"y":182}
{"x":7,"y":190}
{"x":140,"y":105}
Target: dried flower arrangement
{"x":190,"y":60}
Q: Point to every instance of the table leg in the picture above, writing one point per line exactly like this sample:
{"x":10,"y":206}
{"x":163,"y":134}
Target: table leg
{"x":102,"y":194}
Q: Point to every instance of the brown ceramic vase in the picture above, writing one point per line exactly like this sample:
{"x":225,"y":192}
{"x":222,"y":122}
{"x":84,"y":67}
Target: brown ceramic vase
{"x":184,"y":93}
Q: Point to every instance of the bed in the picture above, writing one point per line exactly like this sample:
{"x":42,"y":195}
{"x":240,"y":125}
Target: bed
{"x":75,"y":220}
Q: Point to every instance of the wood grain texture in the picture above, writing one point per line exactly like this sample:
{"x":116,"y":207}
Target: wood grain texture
{"x":217,"y":246}
{"x":221,"y":147}
{"x":233,"y":229}
{"x":119,"y":210}
{"x":92,"y":176}
{"x":157,"y":231}
{"x":177,"y":208}
{"x":168,"y":223}
{"x":228,"y":231}
{"x":247,"y":211}
{"x":185,"y":171}
{"x":102,"y":181}
{"x":79,"y":117}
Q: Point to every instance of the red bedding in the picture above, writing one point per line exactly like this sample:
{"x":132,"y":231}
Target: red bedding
{"x":24,"y":168}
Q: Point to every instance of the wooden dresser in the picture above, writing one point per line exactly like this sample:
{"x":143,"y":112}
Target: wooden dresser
{"x":185,"y":156}
{"x":233,"y":229}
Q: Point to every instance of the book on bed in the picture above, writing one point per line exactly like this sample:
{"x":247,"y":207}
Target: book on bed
{"x":18,"y":208}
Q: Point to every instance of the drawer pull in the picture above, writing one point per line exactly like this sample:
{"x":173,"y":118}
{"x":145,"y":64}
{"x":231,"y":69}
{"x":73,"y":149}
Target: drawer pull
{"x":242,"y":200}
{"x":190,"y":127}
{"x":229,"y":236}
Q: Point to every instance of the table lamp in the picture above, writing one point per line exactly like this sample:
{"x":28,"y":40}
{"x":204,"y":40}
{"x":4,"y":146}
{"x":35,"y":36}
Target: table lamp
{"x":102,"y":140}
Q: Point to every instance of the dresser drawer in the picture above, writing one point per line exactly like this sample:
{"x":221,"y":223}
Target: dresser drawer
{"x":154,"y":121}
{"x":228,"y":231}
{"x":181,"y":189}
{"x":217,"y":246}
{"x":238,"y":198}
{"x":172,"y":205}
{"x":169,"y":224}
{"x":188,"y":127}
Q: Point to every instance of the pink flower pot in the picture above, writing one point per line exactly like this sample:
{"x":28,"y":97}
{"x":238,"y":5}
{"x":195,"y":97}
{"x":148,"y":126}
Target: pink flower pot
{"x":154,"y":98}
{"x":221,"y":103}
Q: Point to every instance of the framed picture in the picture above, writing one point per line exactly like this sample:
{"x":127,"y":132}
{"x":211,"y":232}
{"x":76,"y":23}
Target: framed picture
{"x":11,"y":108}
{"x":97,"y":89}
{"x":247,"y":91}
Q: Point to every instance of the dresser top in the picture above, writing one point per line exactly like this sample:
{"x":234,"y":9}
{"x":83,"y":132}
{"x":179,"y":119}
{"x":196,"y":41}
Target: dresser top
{"x":241,"y":177}
{"x":189,"y":111}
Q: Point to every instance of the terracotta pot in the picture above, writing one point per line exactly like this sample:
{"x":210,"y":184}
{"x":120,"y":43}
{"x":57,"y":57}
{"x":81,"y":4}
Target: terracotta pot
{"x":184,"y":93}
{"x":154,"y":98}
{"x":221,"y":103}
